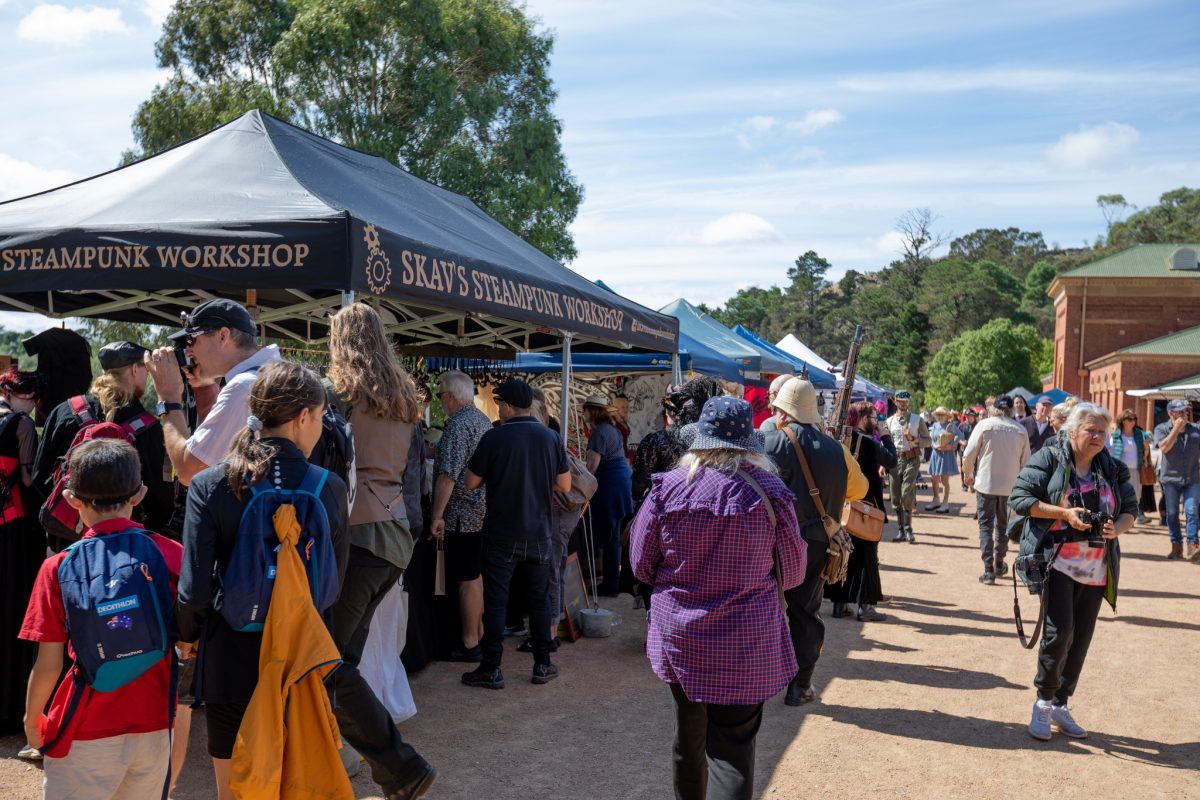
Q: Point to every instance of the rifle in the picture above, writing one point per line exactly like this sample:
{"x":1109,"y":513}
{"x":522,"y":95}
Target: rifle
{"x":841,"y":405}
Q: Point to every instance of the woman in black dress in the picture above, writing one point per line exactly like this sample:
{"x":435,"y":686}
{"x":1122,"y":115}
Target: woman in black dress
{"x":22,"y":541}
{"x":862,"y":584}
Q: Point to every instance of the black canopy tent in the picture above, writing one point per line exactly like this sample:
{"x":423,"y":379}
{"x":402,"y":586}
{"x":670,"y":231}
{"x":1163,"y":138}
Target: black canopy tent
{"x":261,"y":210}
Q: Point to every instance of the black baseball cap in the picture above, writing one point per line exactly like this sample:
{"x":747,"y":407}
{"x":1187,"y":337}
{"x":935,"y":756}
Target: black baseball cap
{"x":214,"y":315}
{"x":1003,"y":402}
{"x":516,"y":393}
{"x":120,"y":354}
{"x":903,"y":394}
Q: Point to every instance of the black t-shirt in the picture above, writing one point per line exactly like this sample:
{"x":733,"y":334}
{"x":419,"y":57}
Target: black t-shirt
{"x":519,"y":462}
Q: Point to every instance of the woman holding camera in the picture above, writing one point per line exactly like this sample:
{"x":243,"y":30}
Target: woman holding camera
{"x":1076,"y":499}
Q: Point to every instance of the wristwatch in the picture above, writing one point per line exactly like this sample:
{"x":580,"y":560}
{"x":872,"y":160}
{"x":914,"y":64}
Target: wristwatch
{"x":164,"y":408}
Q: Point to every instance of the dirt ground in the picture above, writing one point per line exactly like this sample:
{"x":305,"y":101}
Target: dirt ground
{"x":932,"y":703}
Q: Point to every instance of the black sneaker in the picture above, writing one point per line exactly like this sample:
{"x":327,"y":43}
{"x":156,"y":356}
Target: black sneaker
{"x":417,"y":787}
{"x":544,"y":673}
{"x":484,"y":678}
{"x":527,"y":645}
{"x":1001,"y":569}
{"x":798,"y":695}
{"x":470,"y":655}
{"x":987,"y":579}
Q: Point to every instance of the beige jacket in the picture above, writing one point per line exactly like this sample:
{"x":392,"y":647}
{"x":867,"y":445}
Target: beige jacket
{"x":995,"y":453}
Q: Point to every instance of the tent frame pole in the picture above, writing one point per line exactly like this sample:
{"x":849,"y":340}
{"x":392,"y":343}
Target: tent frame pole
{"x":676,"y":369}
{"x":564,"y":422}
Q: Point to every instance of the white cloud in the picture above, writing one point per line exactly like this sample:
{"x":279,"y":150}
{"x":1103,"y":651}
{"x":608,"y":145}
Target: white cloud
{"x":19,"y":321}
{"x":59,"y":25}
{"x":815,"y":120}
{"x":1093,"y":147}
{"x":156,"y":10}
{"x":890,"y":244}
{"x":18,"y":178}
{"x":738,"y":228}
{"x":760,"y":124}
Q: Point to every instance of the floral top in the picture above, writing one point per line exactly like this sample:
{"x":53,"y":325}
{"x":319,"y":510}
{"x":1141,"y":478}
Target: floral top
{"x":465,"y":511}
{"x":1077,"y":560}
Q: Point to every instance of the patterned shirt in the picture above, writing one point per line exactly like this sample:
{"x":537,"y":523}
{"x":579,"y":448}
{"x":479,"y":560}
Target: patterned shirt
{"x":707,"y":548}
{"x":464,"y":429}
{"x":1077,"y":560}
{"x":658,"y":452}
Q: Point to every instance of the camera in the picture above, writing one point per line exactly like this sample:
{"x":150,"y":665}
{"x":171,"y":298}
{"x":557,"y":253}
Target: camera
{"x":1096,"y":520}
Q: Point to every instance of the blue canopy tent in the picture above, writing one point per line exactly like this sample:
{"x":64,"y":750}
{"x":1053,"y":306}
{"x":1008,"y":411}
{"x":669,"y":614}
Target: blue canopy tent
{"x":705,"y":331}
{"x":1056,"y":396}
{"x":817,"y":376}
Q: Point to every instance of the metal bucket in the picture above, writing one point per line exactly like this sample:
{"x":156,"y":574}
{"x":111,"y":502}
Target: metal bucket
{"x":597,"y":622}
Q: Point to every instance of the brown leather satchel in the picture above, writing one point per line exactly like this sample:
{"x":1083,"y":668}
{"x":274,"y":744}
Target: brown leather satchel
{"x":840,"y":546}
{"x":861,"y":519}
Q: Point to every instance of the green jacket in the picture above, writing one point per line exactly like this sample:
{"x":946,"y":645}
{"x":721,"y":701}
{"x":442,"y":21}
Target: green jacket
{"x":1046,"y":477}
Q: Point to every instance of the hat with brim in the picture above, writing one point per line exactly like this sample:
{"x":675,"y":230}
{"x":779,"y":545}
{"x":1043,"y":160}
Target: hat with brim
{"x":726,"y":423}
{"x":941,"y":411}
{"x":214,"y":315}
{"x":903,"y":394}
{"x":596,"y":401}
{"x":120,"y":354}
{"x":798,"y":399}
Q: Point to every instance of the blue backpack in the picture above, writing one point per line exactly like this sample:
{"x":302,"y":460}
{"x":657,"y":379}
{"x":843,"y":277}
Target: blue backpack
{"x":120,"y":608}
{"x":246,"y":584}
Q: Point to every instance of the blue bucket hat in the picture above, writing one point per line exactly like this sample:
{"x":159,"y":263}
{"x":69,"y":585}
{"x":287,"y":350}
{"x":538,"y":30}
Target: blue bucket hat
{"x":726,"y":423}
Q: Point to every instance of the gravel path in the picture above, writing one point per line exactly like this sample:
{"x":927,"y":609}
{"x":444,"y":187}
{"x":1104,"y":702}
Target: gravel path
{"x":931,"y":703}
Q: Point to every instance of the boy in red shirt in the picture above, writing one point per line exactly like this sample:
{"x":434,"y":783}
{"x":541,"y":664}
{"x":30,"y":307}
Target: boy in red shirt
{"x":116,"y":744}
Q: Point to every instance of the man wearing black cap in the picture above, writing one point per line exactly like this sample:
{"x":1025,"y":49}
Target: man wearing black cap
{"x":221,"y":343}
{"x":116,"y":396}
{"x":521,"y":463}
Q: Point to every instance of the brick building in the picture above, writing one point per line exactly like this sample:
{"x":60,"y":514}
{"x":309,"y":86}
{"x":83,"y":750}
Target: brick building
{"x":1106,"y":308}
{"x":1140,"y":366}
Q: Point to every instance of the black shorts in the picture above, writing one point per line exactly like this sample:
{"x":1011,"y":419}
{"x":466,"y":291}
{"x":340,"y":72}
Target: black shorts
{"x":464,"y":555}
{"x":223,"y":721}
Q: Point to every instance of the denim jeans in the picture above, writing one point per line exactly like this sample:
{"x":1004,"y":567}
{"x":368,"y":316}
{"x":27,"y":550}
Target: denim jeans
{"x":1189,"y":493}
{"x":501,"y":559}
{"x":362,"y":718}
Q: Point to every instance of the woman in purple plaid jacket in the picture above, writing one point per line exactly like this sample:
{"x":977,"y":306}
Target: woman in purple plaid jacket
{"x":717,"y":556}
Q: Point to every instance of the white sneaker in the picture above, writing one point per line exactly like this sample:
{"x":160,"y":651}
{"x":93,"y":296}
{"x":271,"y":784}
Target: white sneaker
{"x":1039,"y":724}
{"x":1066,"y":724}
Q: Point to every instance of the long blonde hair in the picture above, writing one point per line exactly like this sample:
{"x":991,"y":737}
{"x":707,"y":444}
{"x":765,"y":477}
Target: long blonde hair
{"x":725,"y":460}
{"x":113,"y":389}
{"x":364,"y":367}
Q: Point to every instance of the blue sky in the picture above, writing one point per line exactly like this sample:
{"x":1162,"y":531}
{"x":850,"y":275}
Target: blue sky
{"x":717,"y":141}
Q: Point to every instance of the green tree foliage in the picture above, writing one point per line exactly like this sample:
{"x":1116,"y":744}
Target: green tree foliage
{"x":1176,"y":218}
{"x":1011,"y":247}
{"x":1000,"y":355}
{"x":895,"y":340}
{"x":958,"y":296}
{"x":1035,"y":303}
{"x":455,"y":91}
{"x":807,"y":282}
{"x":754,"y":308}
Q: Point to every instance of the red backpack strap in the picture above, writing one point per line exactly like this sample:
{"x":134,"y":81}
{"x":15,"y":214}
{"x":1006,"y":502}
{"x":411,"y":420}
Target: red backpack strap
{"x":139,"y":423}
{"x":81,"y":409}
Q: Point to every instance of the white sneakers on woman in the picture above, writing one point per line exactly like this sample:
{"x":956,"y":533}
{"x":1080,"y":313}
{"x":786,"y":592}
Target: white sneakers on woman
{"x":1046,"y":714}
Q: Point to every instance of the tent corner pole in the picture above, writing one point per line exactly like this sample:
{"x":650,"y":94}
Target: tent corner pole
{"x":347,"y":297}
{"x":676,"y":369}
{"x":565,"y":410}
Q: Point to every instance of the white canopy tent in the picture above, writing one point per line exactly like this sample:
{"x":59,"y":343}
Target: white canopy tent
{"x":790,"y":344}
{"x":1188,"y":388}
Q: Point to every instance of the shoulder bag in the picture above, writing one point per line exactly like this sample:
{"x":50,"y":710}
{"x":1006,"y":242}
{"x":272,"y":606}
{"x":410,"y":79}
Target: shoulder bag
{"x":840,"y":547}
{"x":861,"y":519}
{"x":745,"y":476}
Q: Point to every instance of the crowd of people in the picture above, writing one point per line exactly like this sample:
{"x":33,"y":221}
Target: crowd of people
{"x":259,"y":486}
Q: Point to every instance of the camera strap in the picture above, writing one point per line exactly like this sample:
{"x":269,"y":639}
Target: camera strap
{"x":1029,"y":643}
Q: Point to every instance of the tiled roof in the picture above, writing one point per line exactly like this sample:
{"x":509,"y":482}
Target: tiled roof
{"x":1143,"y":260}
{"x":1180,"y":343}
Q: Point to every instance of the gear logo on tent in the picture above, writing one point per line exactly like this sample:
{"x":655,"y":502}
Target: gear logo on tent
{"x":379,"y":266}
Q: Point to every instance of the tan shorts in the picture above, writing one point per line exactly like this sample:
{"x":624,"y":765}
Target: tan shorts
{"x":129,"y":766}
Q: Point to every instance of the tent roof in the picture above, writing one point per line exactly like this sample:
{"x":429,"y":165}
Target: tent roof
{"x":790,"y":344}
{"x":707,"y":331}
{"x":260,"y":205}
{"x":1056,"y":396}
{"x":817,"y":376}
{"x":1168,"y":391}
